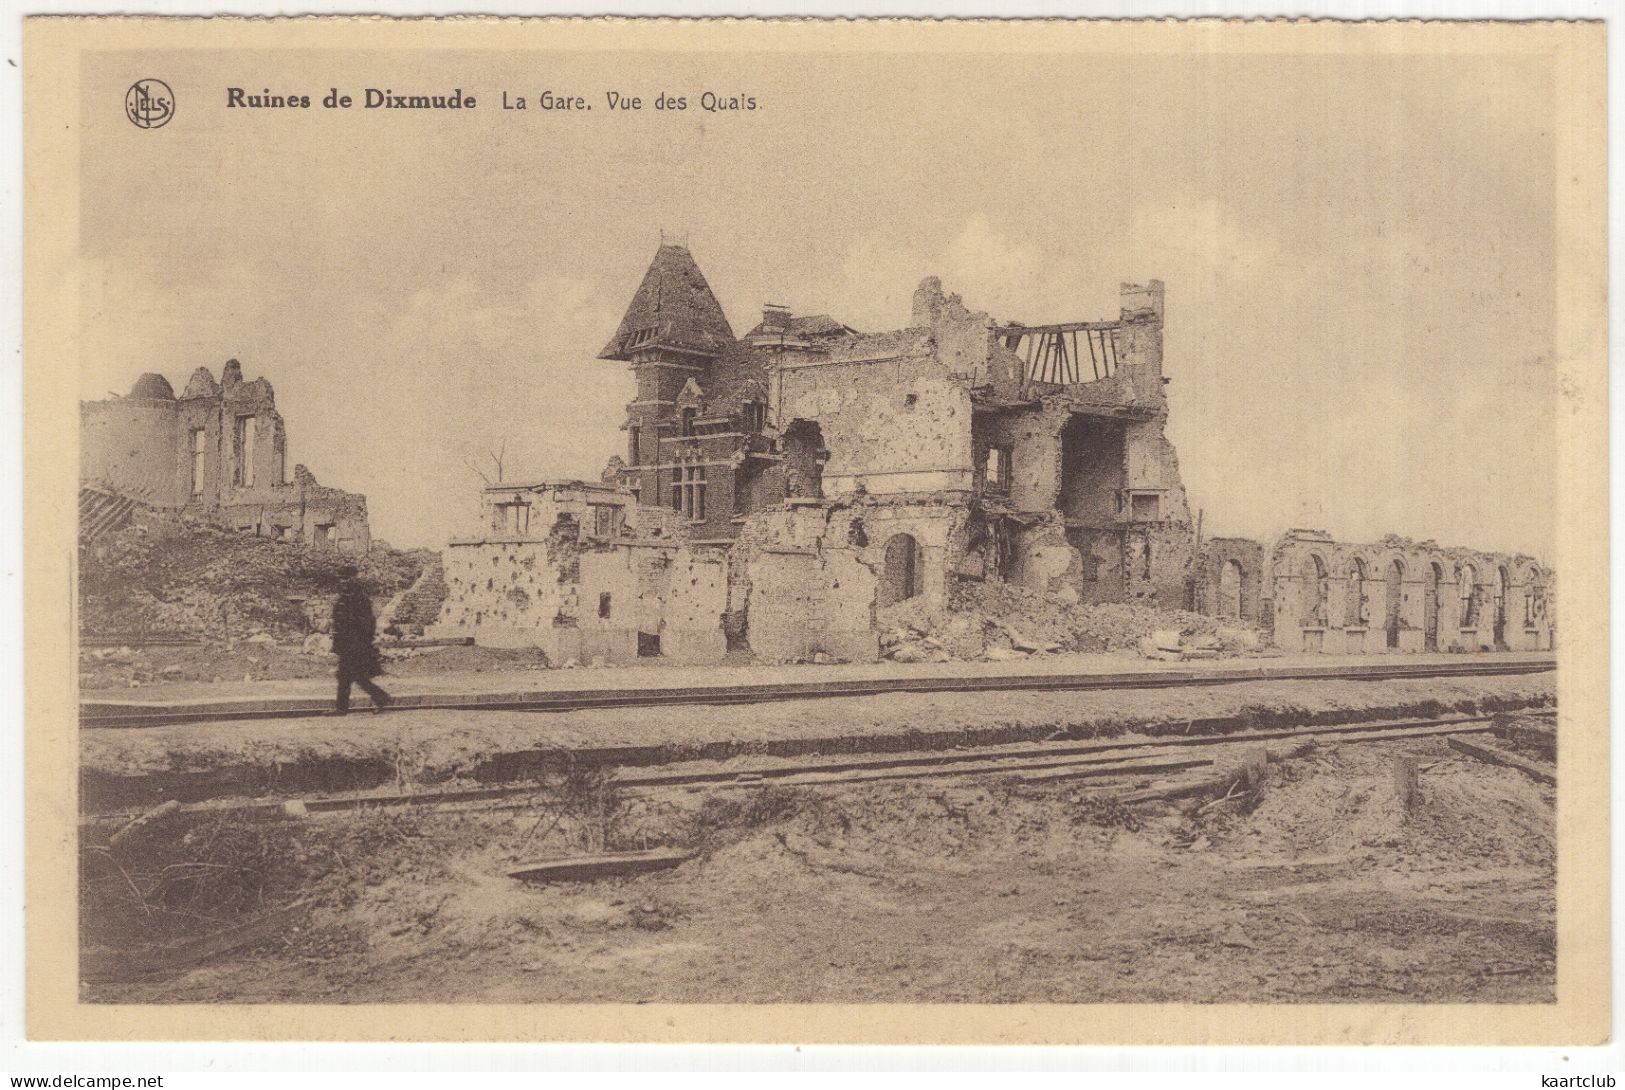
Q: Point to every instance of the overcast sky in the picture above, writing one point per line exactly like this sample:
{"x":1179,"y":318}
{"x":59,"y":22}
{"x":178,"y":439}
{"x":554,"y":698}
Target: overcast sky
{"x":1359,"y":254}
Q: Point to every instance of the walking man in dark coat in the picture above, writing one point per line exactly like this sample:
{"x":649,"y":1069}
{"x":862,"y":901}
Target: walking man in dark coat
{"x":353,"y":629}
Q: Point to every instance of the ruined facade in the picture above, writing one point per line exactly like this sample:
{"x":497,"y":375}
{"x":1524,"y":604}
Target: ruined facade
{"x":782,"y":489}
{"x":585,"y":573}
{"x":833,"y":473}
{"x":218,"y":451}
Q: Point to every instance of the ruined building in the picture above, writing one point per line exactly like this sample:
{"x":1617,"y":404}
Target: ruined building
{"x":781,"y":487}
{"x":219,"y":452}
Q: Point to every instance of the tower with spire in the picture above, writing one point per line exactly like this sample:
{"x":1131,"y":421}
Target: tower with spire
{"x":687,"y":427}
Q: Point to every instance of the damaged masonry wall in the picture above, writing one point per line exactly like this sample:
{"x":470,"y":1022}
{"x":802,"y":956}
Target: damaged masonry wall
{"x":217,"y":452}
{"x":783,"y":487}
{"x":584,"y":573}
{"x":1403,"y":596}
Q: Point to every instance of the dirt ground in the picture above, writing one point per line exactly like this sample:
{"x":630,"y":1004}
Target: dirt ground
{"x":1321,"y":888}
{"x":439,"y":746}
{"x":145,"y":671}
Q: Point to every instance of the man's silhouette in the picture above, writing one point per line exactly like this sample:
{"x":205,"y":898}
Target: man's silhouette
{"x":353,"y":629}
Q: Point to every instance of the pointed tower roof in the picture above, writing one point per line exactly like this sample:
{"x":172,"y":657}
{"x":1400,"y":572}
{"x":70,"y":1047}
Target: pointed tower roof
{"x":673,"y":308}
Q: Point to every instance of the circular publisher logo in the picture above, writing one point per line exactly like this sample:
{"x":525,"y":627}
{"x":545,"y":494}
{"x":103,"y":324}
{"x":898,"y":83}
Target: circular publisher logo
{"x":149,"y":103}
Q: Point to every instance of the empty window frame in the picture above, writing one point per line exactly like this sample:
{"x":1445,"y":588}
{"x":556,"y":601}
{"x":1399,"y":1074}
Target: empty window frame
{"x":200,"y":446}
{"x":996,"y":470}
{"x":243,"y":435}
{"x":1144,"y":507}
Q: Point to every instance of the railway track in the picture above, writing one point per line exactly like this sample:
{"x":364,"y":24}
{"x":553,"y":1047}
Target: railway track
{"x":114,"y":715}
{"x":1037,"y":762}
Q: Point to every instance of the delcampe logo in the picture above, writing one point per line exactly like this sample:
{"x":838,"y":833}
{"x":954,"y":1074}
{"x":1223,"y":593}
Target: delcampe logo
{"x":149,"y":103}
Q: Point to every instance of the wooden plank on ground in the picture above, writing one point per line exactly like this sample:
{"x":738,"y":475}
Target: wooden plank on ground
{"x":586,"y":868}
{"x":1126,"y":768}
{"x":1545,"y":773}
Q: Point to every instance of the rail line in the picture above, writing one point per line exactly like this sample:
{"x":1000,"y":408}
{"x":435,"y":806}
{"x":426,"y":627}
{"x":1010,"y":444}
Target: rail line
{"x":1038,"y":762}
{"x":115,"y":715}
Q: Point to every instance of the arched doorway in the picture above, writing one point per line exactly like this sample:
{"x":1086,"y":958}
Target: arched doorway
{"x":1430,"y":607}
{"x":1394,"y":585}
{"x":1230,"y":590}
{"x":902,"y":577}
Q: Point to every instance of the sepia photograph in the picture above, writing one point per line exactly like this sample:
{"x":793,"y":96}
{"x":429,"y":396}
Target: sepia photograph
{"x":583,"y":514}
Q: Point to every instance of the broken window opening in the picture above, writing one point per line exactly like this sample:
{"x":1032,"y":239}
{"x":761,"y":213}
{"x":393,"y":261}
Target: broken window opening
{"x":803,"y":447}
{"x":511,"y":518}
{"x":1230,"y":581}
{"x":1091,"y":568}
{"x":996,"y":470}
{"x":1316,"y":589}
{"x":606,"y":520}
{"x":1144,"y":507}
{"x":754,"y":416}
{"x":648,"y":645}
{"x":1394,"y":585}
{"x":633,"y":434}
{"x":1354,"y":609}
{"x":243,"y":446}
{"x":603,"y":605}
{"x":199,"y":452}
{"x":688,"y":420}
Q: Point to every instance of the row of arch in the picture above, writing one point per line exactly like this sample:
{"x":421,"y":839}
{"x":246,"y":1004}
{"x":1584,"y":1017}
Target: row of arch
{"x":1482,"y":594}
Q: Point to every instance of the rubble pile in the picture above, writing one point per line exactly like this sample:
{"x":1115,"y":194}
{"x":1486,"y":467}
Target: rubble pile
{"x":420,"y":605}
{"x":1001,"y":622}
{"x":178,"y":579}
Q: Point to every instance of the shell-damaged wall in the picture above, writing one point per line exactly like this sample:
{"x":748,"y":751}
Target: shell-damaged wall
{"x":891,"y":416}
{"x":1081,"y":476}
{"x":220,"y":452}
{"x":1311,"y":593}
{"x":1398,"y":595}
{"x":809,"y":579}
{"x":884,"y":467}
{"x":580,"y":595}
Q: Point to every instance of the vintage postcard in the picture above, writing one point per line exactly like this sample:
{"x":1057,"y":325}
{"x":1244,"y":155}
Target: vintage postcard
{"x":889,"y":531}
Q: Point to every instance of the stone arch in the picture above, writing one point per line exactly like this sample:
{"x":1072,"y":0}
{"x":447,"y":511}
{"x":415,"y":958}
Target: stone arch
{"x":1231,"y":579}
{"x":903,"y":574}
{"x":1393,"y":579}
